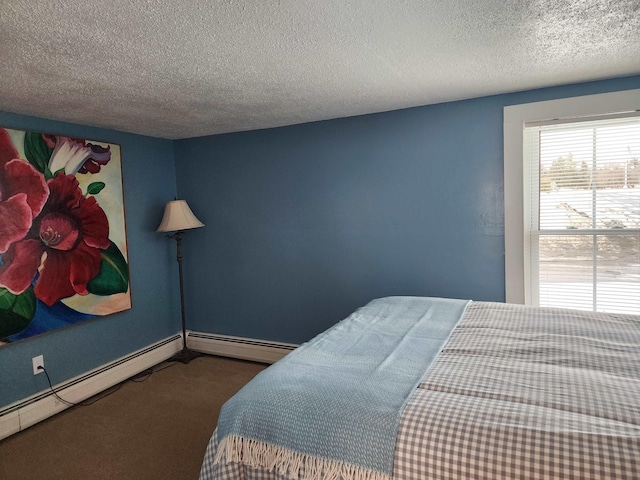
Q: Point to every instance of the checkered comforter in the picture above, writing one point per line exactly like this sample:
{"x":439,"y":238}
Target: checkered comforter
{"x":518,"y":392}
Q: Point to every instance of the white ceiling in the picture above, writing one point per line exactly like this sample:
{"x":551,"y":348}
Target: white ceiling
{"x":177,"y":69}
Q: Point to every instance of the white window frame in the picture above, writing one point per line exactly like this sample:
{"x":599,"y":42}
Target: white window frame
{"x":515,"y":187}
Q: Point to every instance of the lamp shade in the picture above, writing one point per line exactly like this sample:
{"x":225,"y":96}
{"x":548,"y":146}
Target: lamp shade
{"x":178,"y":216}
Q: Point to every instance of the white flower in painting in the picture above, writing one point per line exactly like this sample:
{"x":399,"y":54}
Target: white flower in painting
{"x":75,"y":155}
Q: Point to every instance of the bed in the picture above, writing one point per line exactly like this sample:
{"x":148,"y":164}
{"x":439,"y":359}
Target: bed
{"x":411,"y":388}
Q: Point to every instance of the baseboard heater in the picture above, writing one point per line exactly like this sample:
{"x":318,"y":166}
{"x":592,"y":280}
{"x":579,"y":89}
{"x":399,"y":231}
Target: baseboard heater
{"x":263,"y":351}
{"x":29,"y":411}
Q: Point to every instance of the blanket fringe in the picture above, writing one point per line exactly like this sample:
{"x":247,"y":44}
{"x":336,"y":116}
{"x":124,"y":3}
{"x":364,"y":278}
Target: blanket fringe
{"x":258,"y":454}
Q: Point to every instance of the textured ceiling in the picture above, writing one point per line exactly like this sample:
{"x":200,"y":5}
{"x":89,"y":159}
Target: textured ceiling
{"x":177,"y":69}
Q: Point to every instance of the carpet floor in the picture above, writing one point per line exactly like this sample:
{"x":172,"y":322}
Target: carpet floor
{"x":156,"y":427}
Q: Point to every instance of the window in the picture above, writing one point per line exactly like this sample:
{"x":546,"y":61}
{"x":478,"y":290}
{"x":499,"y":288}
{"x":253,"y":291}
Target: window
{"x":572,"y":203}
{"x":583,"y":234}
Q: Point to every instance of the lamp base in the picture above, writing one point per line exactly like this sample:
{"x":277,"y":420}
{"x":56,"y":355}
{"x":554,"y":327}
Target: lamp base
{"x":185,"y":356}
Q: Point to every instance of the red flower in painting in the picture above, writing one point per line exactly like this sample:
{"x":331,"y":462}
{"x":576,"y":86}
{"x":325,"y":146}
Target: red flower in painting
{"x":23,"y":192}
{"x":63,"y":245}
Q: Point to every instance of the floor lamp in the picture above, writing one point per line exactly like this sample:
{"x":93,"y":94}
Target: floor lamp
{"x":177,"y":218}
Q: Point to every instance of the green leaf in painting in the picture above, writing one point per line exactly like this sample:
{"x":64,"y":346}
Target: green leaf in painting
{"x":114,"y":273}
{"x":95,"y":188}
{"x":37,"y":152}
{"x":16,"y":311}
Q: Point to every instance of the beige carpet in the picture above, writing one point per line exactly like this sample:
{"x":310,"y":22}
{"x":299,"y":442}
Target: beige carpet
{"x":155,"y":429}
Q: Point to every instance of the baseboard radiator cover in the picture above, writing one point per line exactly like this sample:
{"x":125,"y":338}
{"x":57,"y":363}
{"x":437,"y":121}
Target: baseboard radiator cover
{"x":263,"y":351}
{"x":29,"y":411}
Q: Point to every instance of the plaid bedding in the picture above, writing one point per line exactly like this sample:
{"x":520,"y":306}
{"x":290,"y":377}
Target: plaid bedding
{"x":518,"y":392}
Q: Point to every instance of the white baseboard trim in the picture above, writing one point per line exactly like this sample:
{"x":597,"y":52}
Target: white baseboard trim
{"x":263,"y":351}
{"x":24,"y":413}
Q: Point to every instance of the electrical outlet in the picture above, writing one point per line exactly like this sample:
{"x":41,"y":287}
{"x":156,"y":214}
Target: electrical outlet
{"x":37,"y":362}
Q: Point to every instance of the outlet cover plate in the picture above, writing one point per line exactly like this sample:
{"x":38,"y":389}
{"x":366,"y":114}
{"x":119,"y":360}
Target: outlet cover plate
{"x":38,"y":362}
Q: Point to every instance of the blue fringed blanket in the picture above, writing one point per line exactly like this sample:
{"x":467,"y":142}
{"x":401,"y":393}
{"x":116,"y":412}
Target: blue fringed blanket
{"x":331,"y":408}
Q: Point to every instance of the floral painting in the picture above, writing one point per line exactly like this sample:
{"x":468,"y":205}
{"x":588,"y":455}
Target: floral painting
{"x":63,"y":248}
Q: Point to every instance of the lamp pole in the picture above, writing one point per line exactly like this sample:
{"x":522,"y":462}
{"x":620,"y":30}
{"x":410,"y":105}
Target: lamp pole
{"x":178,"y":237}
{"x":186,"y":355}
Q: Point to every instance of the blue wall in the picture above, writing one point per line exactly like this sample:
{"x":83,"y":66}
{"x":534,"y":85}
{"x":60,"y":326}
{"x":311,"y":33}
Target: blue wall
{"x":149,"y":181}
{"x":306,"y":223}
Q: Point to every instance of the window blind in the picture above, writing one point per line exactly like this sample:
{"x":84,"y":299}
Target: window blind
{"x":583,"y":214}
